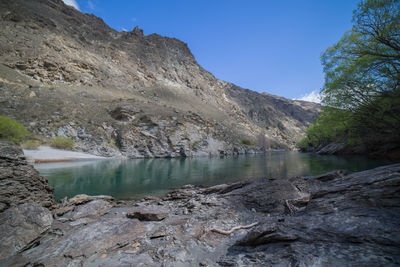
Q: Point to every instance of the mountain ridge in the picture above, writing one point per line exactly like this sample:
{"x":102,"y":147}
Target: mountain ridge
{"x":170,"y":105}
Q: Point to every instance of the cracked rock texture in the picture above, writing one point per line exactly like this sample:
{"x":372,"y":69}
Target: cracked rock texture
{"x":332,"y":219}
{"x":20,"y":182}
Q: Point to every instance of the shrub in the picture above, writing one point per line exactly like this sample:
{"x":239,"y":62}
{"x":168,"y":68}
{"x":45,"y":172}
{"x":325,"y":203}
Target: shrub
{"x":195,"y":145}
{"x":31,"y":144}
{"x":62,"y":142}
{"x":12,"y":131}
{"x":246,"y":142}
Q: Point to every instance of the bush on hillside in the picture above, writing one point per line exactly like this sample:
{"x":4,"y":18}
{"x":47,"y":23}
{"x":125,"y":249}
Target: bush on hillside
{"x":12,"y":130}
{"x":62,"y":142}
{"x":31,"y":144}
{"x":246,"y":142}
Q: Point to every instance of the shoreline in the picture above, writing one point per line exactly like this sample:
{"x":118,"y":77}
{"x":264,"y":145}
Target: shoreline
{"x":46,"y":154}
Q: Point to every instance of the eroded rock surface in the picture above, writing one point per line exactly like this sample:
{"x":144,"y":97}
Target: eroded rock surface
{"x":21,"y":226}
{"x":148,"y":214}
{"x":332,"y":219}
{"x":20,"y":182}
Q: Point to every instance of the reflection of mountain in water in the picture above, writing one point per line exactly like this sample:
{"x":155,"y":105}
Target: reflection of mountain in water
{"x":125,"y":179}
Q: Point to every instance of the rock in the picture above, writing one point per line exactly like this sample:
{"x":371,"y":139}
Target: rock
{"x":21,"y":226}
{"x":20,"y":182}
{"x":346,"y":220}
{"x":68,"y":205}
{"x":82,"y":198}
{"x":264,"y":195}
{"x":10,"y":151}
{"x":148,"y":214}
{"x":124,"y":113}
{"x":77,"y":243}
{"x":92,"y":209}
{"x":331,"y":175}
{"x":349,"y":220}
{"x":333,"y":148}
{"x":264,"y":234}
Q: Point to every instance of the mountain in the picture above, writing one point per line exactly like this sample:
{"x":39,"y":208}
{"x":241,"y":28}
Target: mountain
{"x":67,"y":73}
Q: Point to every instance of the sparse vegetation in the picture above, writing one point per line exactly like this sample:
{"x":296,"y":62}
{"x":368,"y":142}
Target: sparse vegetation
{"x":12,"y":130}
{"x":195,"y":145}
{"x":246,"y":142}
{"x":62,"y":142}
{"x":31,"y":144}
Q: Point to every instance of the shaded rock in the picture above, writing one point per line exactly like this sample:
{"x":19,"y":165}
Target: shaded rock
{"x":68,"y":205}
{"x":333,"y":148}
{"x":225,"y":188}
{"x":20,"y":226}
{"x":349,"y":220}
{"x":264,"y":195}
{"x":77,"y":243}
{"x":148,"y":214}
{"x":92,"y":209}
{"x":82,"y":198}
{"x":124,"y":113}
{"x":330,"y":175}
{"x":10,"y":151}
{"x":264,"y":234}
{"x":20,"y":182}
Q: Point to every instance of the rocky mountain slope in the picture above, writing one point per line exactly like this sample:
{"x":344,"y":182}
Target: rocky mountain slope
{"x":67,"y":73}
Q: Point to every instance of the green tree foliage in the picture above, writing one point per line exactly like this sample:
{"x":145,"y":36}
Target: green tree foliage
{"x":12,"y":131}
{"x":365,"y":63}
{"x":361,"y":93}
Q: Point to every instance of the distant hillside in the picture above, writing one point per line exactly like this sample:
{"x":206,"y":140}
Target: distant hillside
{"x":67,"y":73}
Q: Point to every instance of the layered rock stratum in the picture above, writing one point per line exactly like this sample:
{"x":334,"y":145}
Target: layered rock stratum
{"x":66,"y":73}
{"x":332,"y":219}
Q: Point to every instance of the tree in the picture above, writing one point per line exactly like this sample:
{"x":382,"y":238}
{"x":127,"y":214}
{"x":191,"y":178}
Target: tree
{"x":361,"y":94}
{"x":365,"y":64}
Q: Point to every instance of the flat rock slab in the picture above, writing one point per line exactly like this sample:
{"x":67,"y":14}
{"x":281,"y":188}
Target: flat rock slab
{"x":21,"y":225}
{"x":92,"y":209}
{"x":79,"y":242}
{"x":148,"y":214}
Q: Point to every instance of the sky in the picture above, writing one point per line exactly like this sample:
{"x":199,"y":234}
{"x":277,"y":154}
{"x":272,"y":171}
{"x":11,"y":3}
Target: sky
{"x":262,"y":45}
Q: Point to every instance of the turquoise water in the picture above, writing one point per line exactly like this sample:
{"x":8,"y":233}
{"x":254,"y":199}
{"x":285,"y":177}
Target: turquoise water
{"x":129,"y":179}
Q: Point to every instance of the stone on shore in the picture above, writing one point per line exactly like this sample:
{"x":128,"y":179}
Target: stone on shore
{"x":148,"y":214}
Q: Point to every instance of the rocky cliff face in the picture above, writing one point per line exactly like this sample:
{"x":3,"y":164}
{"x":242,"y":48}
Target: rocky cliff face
{"x":19,"y":182}
{"x":67,"y":73}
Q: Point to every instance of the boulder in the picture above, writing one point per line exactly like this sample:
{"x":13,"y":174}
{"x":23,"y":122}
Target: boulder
{"x":148,"y":214}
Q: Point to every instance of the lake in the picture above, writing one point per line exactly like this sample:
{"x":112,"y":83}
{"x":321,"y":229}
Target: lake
{"x":135,"y":178}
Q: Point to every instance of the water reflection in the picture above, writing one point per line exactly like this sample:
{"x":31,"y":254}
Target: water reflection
{"x":125,"y":179}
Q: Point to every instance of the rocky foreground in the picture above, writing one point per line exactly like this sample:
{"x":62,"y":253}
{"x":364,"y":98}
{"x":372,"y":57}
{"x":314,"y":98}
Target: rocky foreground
{"x":331,"y":219}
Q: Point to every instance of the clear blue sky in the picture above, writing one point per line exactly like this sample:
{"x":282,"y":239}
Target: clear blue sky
{"x":267,"y":46}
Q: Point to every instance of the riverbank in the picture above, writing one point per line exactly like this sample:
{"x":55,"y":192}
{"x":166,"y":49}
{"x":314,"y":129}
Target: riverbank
{"x":46,"y":154}
{"x":383,"y":151}
{"x":330,"y":219}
